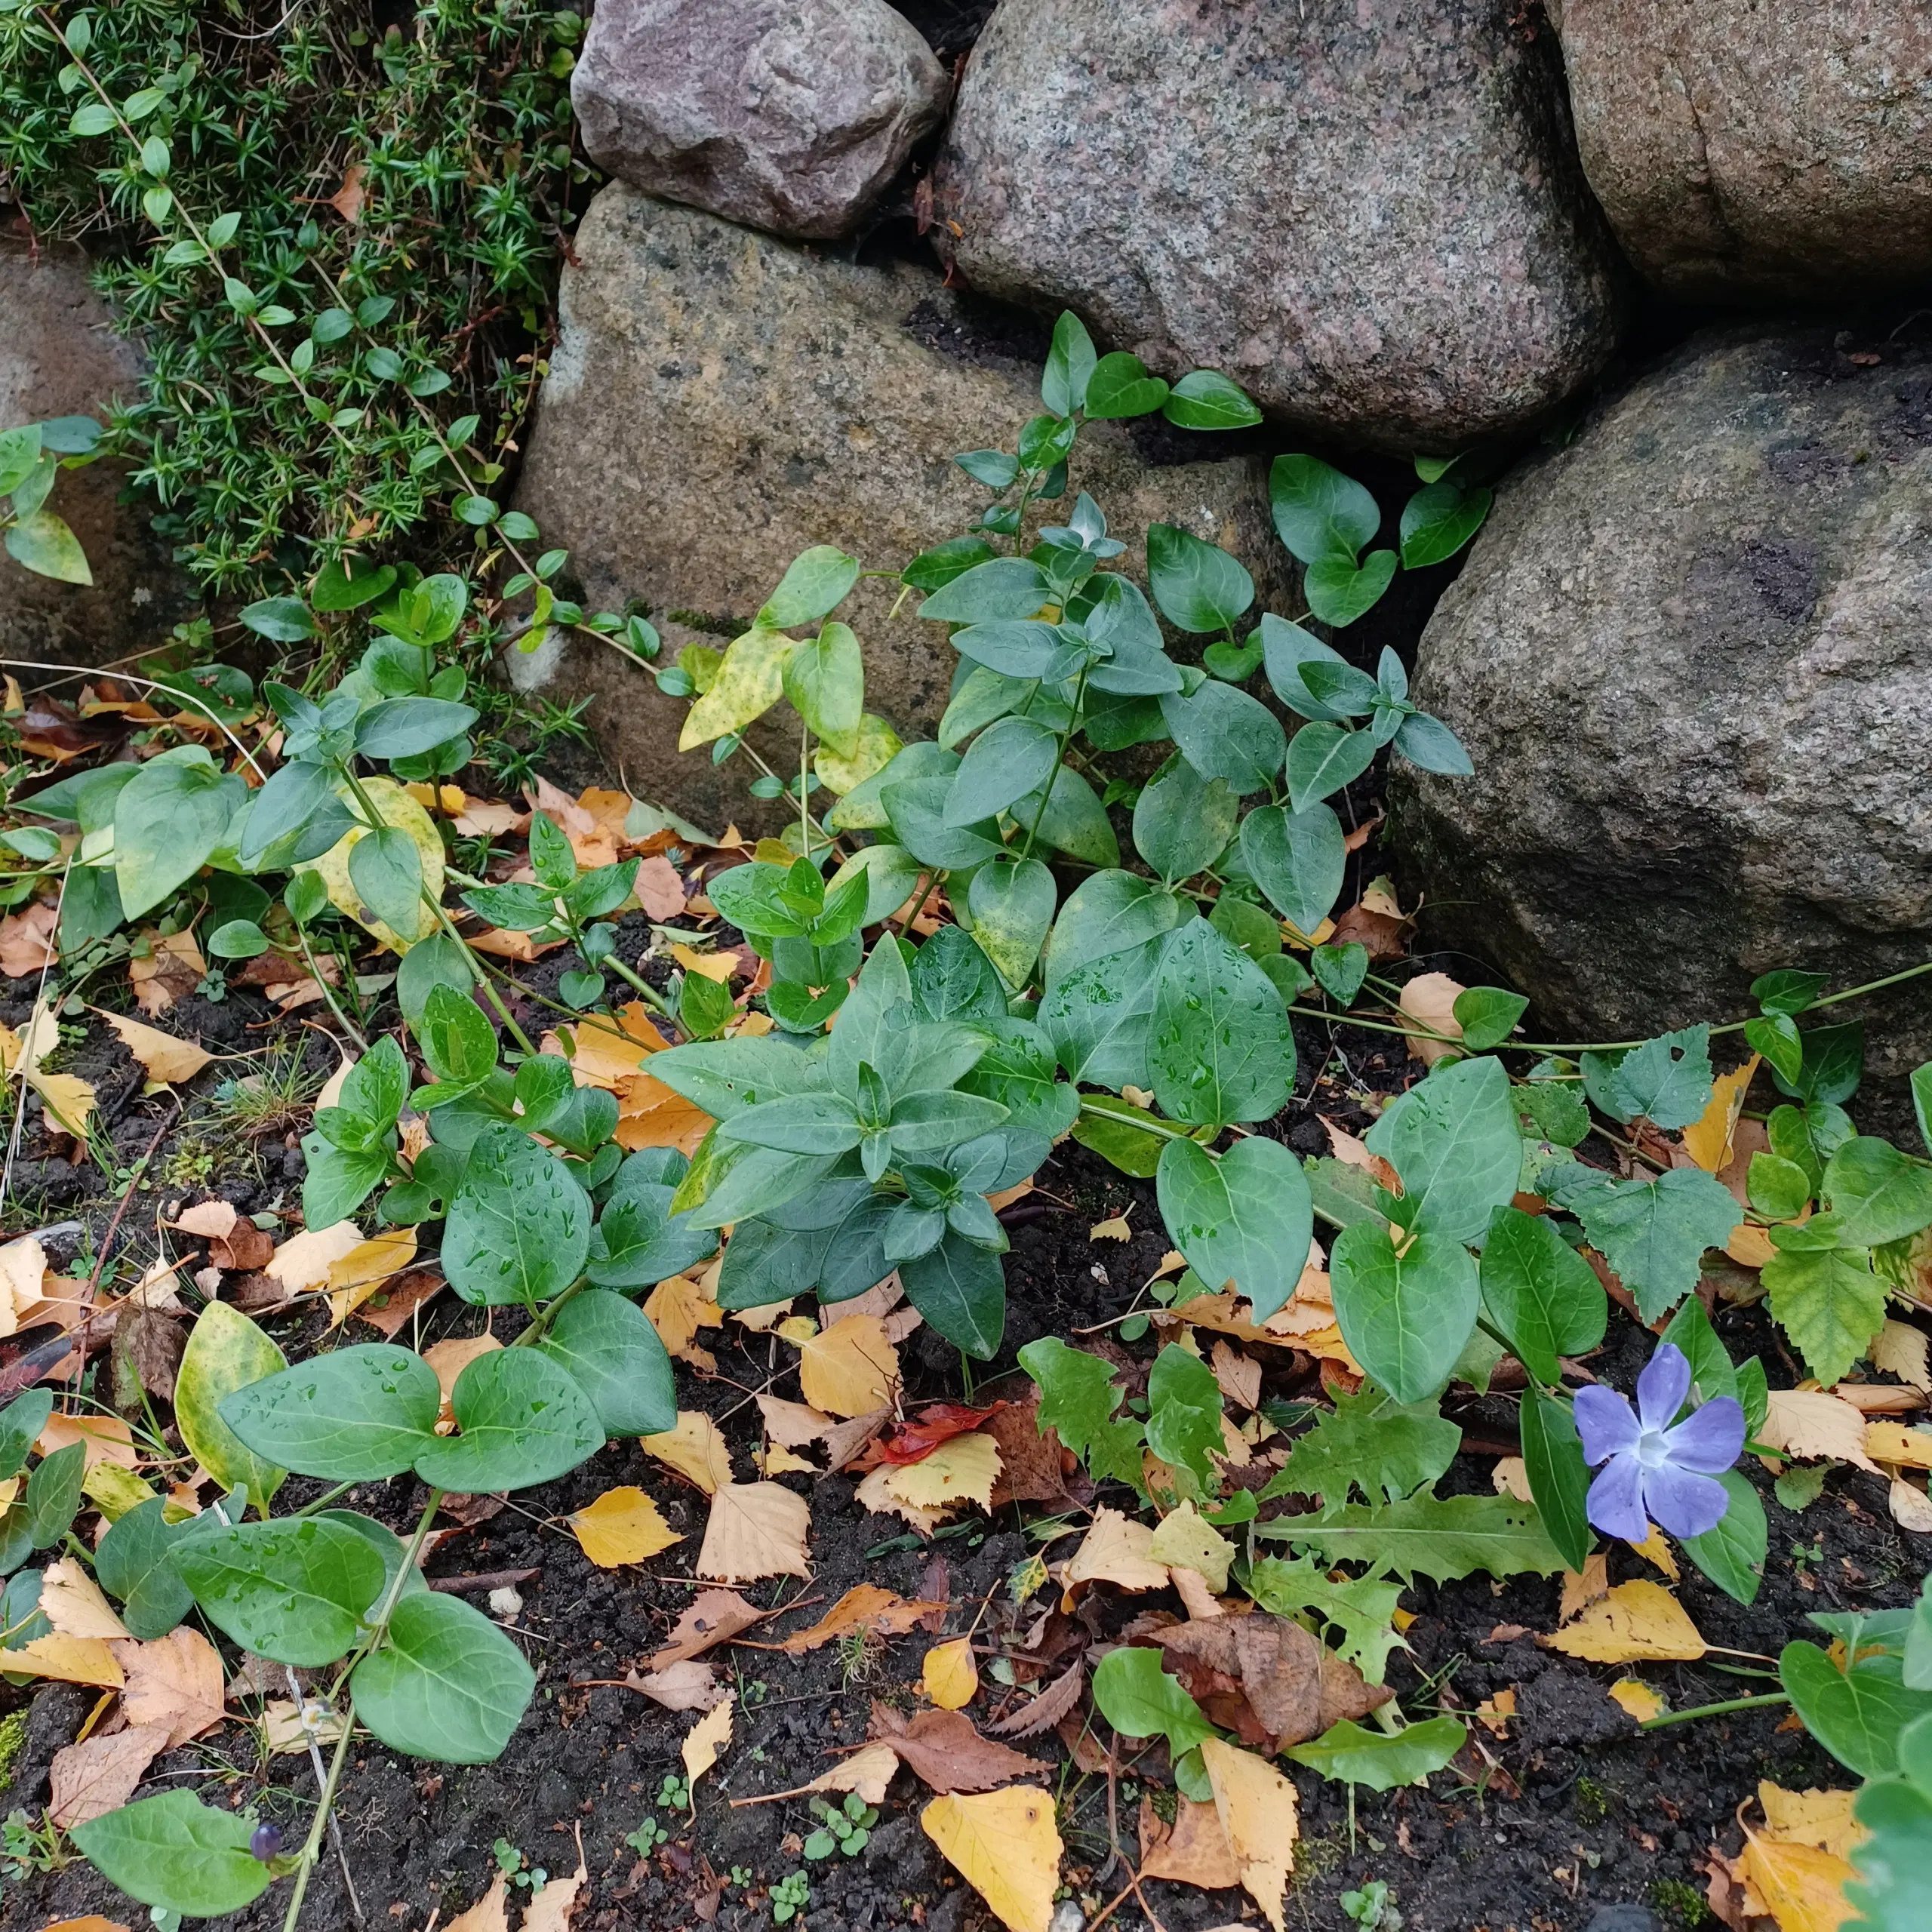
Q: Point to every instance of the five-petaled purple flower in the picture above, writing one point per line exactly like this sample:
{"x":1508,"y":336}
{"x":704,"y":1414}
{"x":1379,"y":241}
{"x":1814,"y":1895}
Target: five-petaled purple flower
{"x":1653,"y":1473}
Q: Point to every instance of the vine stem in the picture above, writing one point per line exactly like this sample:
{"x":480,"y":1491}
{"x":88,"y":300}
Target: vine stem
{"x":325,"y":1805}
{"x":373,"y":821}
{"x":1763,"y":1702}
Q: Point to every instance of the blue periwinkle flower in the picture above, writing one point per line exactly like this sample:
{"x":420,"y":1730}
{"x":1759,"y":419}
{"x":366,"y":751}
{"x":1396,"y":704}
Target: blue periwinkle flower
{"x":1654,"y":1472}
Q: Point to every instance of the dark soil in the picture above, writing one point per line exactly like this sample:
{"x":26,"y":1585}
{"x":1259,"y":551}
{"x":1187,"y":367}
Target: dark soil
{"x":1573,"y":1808}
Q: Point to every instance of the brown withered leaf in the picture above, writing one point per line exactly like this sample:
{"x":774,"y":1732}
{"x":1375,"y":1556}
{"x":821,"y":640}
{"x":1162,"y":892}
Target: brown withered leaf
{"x":1046,"y":1710}
{"x":1029,"y":1461}
{"x":148,"y":1347}
{"x":1291,"y":1688}
{"x":942,"y":1749}
{"x":98,"y":1775}
{"x":1193,"y":1850}
{"x":1383,"y":936}
{"x":709,"y":1619}
{"x":388,"y":1310}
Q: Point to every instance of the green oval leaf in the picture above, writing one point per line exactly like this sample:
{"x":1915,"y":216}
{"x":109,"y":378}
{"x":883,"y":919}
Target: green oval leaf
{"x":177,"y":1852}
{"x":294,"y":1591}
{"x":609,"y":1348}
{"x":523,"y":1420}
{"x":519,"y":1227}
{"x":358,"y":1415}
{"x":1244,"y":1218}
{"x":1405,"y":1317}
{"x":447,"y":1684}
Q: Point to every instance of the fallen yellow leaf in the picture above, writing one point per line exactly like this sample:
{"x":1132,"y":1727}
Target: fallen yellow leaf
{"x":67,"y":1098}
{"x":850,"y":1368}
{"x":489,"y":1914}
{"x":1006,"y":1846}
{"x":678,"y":1308}
{"x":1115,"y":1550}
{"x":1429,"y":999}
{"x":449,"y":1358}
{"x":1115,"y":1229}
{"x":1911,"y":1508}
{"x":1893,"y":1442}
{"x":1257,"y":1810}
{"x":1183,"y":1539}
{"x":622,"y":1526}
{"x":1493,"y":1713}
{"x":949,"y":1676}
{"x":874,"y":1494}
{"x":1707,"y":1139}
{"x":1900,"y":1349}
{"x":1803,"y":1887}
{"x":1809,"y":1423}
{"x":72,"y":1660}
{"x":1636,"y":1622}
{"x":1633,"y":1695}
{"x":72,"y":1602}
{"x":1657,"y":1553}
{"x":719,"y":966}
{"x":705,"y":1739}
{"x":354,"y":1277}
{"x":864,"y":1607}
{"x":694,"y":1449}
{"x":962,"y":1469}
{"x":755,"y":1530}
{"x":162,"y":1056}
{"x":1813,"y":1817}
{"x":303,"y":1261}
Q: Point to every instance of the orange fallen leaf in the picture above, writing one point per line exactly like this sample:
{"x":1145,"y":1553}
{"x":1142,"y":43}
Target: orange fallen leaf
{"x":98,"y":1775}
{"x":1708,"y":1139}
{"x":1429,"y":1000}
{"x":678,"y":1309}
{"x":28,"y":945}
{"x":108,"y":1438}
{"x":864,"y":1607}
{"x":175,"y":1681}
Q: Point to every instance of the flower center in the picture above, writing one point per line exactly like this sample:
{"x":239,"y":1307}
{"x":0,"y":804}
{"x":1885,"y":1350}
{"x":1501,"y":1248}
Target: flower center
{"x":1652,"y":1450}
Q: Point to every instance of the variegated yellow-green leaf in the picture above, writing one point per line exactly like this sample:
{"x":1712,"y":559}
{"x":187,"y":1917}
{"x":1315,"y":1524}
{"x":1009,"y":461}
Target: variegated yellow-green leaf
{"x":225,"y":1351}
{"x":878,"y":744}
{"x":750,"y":681}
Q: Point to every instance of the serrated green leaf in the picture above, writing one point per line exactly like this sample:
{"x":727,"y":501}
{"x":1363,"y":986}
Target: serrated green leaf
{"x":1078,"y":1398}
{"x":1653,"y":1233}
{"x":1827,"y":1299}
{"x":1442,"y":1538}
{"x":1386,"y":1449}
{"x":1359,"y":1610}
{"x":1380,"y":1759}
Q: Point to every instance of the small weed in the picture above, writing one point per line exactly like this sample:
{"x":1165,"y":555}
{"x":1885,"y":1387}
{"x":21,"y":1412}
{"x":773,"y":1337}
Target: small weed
{"x":858,"y":1654}
{"x":13,"y":1741}
{"x":517,"y":1868}
{"x":1593,"y":1801}
{"x":26,"y":1846}
{"x":846,"y":1829}
{"x":674,"y":1794}
{"x":647,"y":1837}
{"x":1680,"y":1903}
{"x":1373,"y":1908}
{"x":790,"y":1897}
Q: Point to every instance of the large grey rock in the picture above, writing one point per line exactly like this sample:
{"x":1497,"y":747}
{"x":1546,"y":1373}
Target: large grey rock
{"x":789,"y":114}
{"x":1367,"y":212}
{"x":1691,"y":657}
{"x":1758,"y":147}
{"x":719,"y":402}
{"x":59,"y":357}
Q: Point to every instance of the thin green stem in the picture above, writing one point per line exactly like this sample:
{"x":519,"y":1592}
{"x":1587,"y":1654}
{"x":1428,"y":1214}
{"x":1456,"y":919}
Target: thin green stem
{"x":1716,"y":1710}
{"x":347,"y":1025}
{"x":1066,"y":738}
{"x":323,"y":1501}
{"x":540,"y":1322}
{"x":311,"y":1848}
{"x":1097,"y":1109}
{"x":649,"y":994}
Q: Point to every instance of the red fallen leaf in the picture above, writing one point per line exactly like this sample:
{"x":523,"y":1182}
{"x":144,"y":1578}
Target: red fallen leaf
{"x":915,"y":1439}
